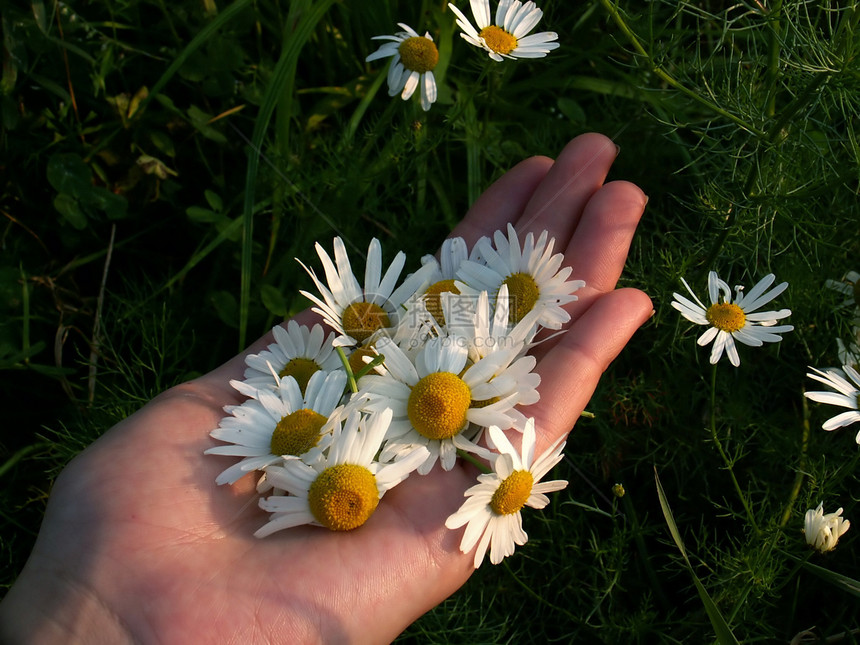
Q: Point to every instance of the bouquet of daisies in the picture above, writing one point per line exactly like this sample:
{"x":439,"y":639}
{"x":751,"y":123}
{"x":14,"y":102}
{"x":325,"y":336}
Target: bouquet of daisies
{"x":410,"y":374}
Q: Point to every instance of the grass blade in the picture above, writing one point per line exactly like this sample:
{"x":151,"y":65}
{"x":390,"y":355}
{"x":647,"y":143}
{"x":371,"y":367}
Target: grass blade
{"x":279,"y":86}
{"x":205,"y":34}
{"x":721,"y":627}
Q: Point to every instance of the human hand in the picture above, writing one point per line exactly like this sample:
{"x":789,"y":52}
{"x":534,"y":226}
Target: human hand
{"x":138,"y":544}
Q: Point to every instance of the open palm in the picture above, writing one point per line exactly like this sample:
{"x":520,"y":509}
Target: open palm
{"x":138,"y":543}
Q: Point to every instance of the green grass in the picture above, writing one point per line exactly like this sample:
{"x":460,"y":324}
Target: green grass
{"x":158,"y":183}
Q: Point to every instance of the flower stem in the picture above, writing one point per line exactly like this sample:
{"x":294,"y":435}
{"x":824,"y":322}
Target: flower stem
{"x":725,"y":457}
{"x":801,"y":466}
{"x":350,"y":377}
{"x":668,"y":78}
{"x":477,"y":463}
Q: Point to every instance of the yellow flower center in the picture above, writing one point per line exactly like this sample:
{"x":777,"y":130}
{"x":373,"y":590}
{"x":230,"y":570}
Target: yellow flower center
{"x":343,"y":497}
{"x":726,"y":316}
{"x":499,"y":40}
{"x":523,"y":294}
{"x":418,"y":54}
{"x":297,"y":433}
{"x":433,"y":298}
{"x":513,"y":493}
{"x":361,"y":319}
{"x":438,"y":404}
{"x":300,"y":369}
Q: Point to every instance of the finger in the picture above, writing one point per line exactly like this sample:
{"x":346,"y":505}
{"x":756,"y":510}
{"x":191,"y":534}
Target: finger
{"x":503,"y":201}
{"x":599,"y":246}
{"x":579,"y":171}
{"x":569,"y":373}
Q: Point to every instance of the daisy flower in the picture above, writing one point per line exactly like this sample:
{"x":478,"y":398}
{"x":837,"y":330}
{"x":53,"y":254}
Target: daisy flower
{"x":443,"y":275}
{"x":278,"y":422}
{"x":507,"y":37}
{"x":435,"y":399}
{"x":846,"y":395}
{"x":491,"y":512}
{"x":489,"y":329}
{"x":357,"y":312}
{"x":342,"y":490}
{"x":823,"y":531}
{"x":849,"y":287}
{"x":414,"y":58}
{"x":489,"y":333}
{"x":734,"y":321}
{"x":297,"y":351}
{"x":531,"y":273}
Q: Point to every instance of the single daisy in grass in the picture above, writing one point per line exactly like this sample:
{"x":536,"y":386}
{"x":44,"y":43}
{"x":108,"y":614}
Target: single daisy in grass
{"x":823,"y":531}
{"x":491,"y":512}
{"x":274,"y":423}
{"x":436,"y":398}
{"x":532,"y":273}
{"x":297,"y":351}
{"x":730,"y":321}
{"x":414,"y":58}
{"x":844,"y":393}
{"x":507,"y":37}
{"x":357,"y":313}
{"x":849,"y":287}
{"x":342,"y":490}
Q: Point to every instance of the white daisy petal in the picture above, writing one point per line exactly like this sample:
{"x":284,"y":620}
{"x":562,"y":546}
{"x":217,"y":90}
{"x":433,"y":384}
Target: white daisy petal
{"x":845,"y":394}
{"x":481,"y":12}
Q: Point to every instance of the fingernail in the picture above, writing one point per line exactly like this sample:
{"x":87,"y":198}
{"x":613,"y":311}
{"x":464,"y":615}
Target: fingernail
{"x":653,"y":311}
{"x":617,"y":150}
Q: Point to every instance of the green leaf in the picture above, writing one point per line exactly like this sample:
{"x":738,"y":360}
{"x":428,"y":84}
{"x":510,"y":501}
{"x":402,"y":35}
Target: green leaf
{"x":845,"y":583}
{"x":200,"y":120}
{"x":163,"y":142}
{"x":226,"y":307}
{"x":273,"y":300}
{"x":202,"y":215}
{"x":214,"y":200}
{"x":10,"y":64}
{"x":41,"y":17}
{"x":68,"y":173}
{"x":721,"y":627}
{"x":69,"y":208}
{"x":114,"y":206}
{"x":571,"y":109}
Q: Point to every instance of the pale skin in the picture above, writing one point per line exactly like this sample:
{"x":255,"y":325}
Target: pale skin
{"x":139,"y":545}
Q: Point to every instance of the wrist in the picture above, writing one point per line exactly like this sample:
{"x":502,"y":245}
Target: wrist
{"x":42,"y":607}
